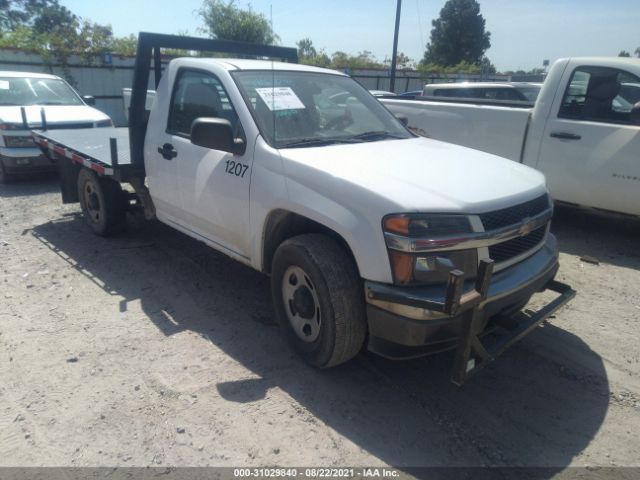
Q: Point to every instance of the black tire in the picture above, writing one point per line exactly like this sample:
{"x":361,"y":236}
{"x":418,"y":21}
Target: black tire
{"x":333,"y":280}
{"x":4,"y":176}
{"x":103,"y":203}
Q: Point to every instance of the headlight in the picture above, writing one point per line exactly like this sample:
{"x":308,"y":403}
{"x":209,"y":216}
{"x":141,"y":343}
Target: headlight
{"x":104,"y":123}
{"x":423,"y":225}
{"x":14,"y":141}
{"x":403,"y":232}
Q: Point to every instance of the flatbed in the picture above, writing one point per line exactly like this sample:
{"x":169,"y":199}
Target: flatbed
{"x":103,"y":150}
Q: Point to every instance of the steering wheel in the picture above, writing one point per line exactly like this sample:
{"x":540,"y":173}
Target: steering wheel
{"x":341,"y":122}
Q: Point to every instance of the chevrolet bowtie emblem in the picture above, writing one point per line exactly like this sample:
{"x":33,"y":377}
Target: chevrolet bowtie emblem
{"x":526,"y":228}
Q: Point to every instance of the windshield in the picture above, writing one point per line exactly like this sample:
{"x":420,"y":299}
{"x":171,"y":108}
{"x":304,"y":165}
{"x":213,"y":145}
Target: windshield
{"x":36,"y":91}
{"x":298,"y":109}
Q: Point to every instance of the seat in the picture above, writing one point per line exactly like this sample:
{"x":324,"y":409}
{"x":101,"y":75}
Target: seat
{"x":600,"y":93}
{"x":199,"y":100}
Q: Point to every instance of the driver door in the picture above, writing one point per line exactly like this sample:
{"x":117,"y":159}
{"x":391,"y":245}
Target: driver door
{"x":213,"y":185}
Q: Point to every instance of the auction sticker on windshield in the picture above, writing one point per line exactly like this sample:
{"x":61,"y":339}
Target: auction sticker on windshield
{"x":4,"y":85}
{"x":280,"y":98}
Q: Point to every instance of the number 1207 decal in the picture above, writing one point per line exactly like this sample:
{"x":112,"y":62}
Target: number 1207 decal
{"x":235,"y":168}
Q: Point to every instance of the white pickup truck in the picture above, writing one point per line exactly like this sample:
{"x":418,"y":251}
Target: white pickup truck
{"x":583,"y":132}
{"x":371,"y":235}
{"x":25,"y":99}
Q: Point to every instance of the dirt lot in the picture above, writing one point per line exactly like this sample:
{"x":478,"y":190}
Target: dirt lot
{"x":151,"y":349}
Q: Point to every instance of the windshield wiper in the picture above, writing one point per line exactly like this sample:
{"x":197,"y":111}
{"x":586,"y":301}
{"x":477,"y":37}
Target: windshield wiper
{"x":376,"y":135}
{"x":315,"y":142}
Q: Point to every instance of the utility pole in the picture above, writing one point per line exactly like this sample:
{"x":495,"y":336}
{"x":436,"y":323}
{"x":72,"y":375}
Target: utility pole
{"x":394,"y":57}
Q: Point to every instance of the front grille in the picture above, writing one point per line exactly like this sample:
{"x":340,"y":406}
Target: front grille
{"x":515,"y":214}
{"x":512,"y":248}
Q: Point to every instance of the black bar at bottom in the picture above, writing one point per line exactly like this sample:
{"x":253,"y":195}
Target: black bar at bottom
{"x":464,"y":355}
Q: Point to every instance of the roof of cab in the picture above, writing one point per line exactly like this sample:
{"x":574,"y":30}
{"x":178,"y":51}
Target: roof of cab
{"x":25,"y":75}
{"x":244,"y":64}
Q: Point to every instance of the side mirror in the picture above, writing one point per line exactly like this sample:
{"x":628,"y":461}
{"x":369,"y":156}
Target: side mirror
{"x":404,"y":120}
{"x":89,"y":100}
{"x":216,"y":134}
{"x":634,"y":116}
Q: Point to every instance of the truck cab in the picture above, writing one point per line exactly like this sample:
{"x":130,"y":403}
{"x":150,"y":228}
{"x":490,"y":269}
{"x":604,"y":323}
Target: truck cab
{"x":584,"y":133}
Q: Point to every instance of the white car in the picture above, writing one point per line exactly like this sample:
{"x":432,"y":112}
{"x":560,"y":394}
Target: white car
{"x":513,"y":91}
{"x":382,"y":93}
{"x":25,"y":99}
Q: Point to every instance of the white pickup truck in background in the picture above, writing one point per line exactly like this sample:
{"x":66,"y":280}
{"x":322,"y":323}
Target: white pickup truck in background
{"x":25,"y":99}
{"x":583,"y":132}
{"x":371,"y":235}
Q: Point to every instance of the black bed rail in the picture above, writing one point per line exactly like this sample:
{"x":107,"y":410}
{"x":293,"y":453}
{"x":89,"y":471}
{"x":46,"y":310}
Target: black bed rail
{"x":149,"y":49}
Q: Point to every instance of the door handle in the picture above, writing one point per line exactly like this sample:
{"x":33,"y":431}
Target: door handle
{"x":167,"y":151}
{"x":565,"y":136}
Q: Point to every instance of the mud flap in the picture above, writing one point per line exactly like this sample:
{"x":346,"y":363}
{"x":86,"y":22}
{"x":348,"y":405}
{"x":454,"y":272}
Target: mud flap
{"x":68,"y":172}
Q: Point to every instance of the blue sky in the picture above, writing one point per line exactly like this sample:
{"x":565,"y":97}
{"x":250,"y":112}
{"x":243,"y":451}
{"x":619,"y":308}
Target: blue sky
{"x":524,"y":32}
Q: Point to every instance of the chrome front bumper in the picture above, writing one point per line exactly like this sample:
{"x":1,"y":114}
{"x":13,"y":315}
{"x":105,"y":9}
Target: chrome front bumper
{"x":22,"y":160}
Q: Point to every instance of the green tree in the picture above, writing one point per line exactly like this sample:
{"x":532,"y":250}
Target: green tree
{"x":56,"y":33}
{"x":226,"y":21}
{"x":308,"y":55}
{"x":402,"y":61}
{"x":18,"y":13}
{"x":125,"y":45}
{"x":462,"y":67}
{"x":637,"y":52}
{"x":364,"y":59}
{"x":624,"y":53}
{"x":486,"y":67}
{"x":458,"y":35}
{"x":306,"y":48}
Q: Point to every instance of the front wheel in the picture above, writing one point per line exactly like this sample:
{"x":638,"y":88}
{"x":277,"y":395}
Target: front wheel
{"x":318,"y":298}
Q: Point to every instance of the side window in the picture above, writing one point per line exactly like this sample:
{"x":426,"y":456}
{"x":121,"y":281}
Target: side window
{"x":198,"y":94}
{"x":600,"y":94}
{"x":505,"y":93}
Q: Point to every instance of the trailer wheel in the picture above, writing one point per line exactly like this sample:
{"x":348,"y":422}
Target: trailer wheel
{"x":318,"y":299}
{"x":102,"y":202}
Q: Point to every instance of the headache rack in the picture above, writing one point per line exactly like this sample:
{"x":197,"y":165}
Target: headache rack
{"x":119,"y":152}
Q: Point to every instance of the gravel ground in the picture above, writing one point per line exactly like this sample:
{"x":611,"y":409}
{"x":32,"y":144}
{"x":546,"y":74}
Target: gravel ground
{"x":151,"y":349}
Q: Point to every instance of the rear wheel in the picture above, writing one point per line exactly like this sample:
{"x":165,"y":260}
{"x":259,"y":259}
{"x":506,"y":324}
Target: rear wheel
{"x":102,"y":202}
{"x":318,"y":298}
{"x":4,"y":176}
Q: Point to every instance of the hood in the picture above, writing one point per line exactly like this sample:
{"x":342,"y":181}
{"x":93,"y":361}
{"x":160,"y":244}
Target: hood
{"x":56,"y":114}
{"x":417,"y":174}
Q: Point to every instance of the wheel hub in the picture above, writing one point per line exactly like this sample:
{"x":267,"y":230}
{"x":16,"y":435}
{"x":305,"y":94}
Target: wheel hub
{"x":92,"y":201}
{"x":301,"y":304}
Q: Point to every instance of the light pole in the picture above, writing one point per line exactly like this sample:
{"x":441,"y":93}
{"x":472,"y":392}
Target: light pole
{"x":394,"y":57}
